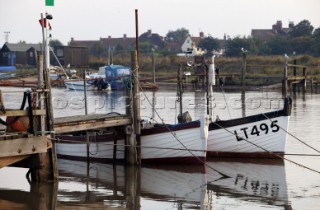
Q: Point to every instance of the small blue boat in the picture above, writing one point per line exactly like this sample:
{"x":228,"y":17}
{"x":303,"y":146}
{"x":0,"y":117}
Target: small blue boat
{"x":117,"y":76}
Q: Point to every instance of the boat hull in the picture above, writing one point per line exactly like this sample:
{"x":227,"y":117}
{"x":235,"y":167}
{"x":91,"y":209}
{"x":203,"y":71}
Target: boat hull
{"x":256,"y":137}
{"x":182,"y":144}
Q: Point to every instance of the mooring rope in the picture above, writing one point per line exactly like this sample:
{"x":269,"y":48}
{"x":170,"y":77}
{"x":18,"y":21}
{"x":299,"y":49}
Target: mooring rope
{"x":224,"y":175}
{"x":311,"y":147}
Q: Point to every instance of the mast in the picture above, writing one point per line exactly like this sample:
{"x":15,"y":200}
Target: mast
{"x":210,"y":82}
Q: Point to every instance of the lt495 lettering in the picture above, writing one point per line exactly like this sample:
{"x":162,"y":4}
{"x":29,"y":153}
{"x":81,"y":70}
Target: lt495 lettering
{"x":257,"y":130}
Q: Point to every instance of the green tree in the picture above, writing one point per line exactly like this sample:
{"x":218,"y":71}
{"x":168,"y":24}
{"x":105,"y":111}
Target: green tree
{"x":55,"y":43}
{"x":233,"y":46}
{"x":209,"y":43}
{"x":177,"y":35}
{"x":316,"y":42}
{"x":304,"y":28}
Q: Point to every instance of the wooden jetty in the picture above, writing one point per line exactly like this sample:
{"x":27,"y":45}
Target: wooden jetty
{"x":25,"y":142}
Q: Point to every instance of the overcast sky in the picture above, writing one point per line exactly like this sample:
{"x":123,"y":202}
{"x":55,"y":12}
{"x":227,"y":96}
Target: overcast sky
{"x":92,"y":19}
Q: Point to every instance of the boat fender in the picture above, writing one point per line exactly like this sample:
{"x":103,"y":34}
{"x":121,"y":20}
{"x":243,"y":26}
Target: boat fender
{"x":128,"y":129}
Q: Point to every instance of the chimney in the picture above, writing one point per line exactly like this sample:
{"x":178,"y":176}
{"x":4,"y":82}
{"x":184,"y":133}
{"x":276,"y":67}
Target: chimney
{"x":225,"y":36}
{"x":201,"y":34}
{"x":149,"y":32}
{"x":291,"y":24}
{"x":124,"y":35}
{"x":109,"y":37}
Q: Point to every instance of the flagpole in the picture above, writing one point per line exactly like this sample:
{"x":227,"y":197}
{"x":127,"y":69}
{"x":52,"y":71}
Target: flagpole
{"x":47,"y":45}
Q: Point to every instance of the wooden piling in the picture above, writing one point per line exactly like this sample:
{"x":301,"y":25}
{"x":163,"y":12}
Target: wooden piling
{"x":244,"y":69}
{"x":136,"y":106}
{"x":304,"y":81}
{"x":284,"y":80}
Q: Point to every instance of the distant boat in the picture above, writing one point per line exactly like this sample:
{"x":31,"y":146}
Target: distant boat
{"x":117,"y":76}
{"x":7,"y":72}
{"x":78,"y":84}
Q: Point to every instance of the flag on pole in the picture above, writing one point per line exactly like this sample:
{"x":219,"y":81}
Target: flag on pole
{"x":49,"y":2}
{"x":45,"y":23}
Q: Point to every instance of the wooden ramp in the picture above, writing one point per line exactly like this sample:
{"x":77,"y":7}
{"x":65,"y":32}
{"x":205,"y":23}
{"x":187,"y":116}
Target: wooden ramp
{"x":89,"y":122}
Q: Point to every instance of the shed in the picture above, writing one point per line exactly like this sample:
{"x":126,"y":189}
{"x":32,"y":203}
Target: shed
{"x":15,"y":54}
{"x":76,"y":56}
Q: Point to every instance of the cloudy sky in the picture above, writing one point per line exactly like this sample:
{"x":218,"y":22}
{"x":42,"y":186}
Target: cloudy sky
{"x":92,"y":19}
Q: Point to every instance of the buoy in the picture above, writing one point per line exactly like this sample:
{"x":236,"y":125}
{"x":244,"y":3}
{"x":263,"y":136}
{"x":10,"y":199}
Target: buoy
{"x":21,"y":124}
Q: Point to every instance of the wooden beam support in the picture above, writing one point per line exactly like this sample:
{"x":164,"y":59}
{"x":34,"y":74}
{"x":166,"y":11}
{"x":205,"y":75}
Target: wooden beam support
{"x":23,"y":146}
{"x":21,"y":113}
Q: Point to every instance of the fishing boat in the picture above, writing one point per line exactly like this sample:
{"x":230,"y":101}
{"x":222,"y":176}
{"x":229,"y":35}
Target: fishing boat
{"x":183,"y":143}
{"x":78,"y":84}
{"x":117,"y":76}
{"x":262,"y":135}
{"x":258,"y":136}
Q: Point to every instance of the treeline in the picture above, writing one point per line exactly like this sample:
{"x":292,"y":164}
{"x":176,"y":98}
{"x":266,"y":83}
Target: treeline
{"x":302,"y":39}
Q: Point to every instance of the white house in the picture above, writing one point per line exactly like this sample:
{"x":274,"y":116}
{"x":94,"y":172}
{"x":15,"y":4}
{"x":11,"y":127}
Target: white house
{"x":190,"y":46}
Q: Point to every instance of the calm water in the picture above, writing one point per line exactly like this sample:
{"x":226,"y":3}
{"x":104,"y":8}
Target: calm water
{"x":268,"y":184}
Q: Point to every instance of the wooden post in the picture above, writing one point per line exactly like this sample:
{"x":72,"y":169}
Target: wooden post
{"x":304,"y":82}
{"x":294,"y":85}
{"x":132,"y":187}
{"x":85,"y":93}
{"x":136,"y":95}
{"x":53,"y":163}
{"x":244,"y":69}
{"x":130,"y":135}
{"x":284,"y":80}
{"x":180,"y":92}
{"x":41,"y":94}
{"x":136,"y":106}
{"x":153,"y":69}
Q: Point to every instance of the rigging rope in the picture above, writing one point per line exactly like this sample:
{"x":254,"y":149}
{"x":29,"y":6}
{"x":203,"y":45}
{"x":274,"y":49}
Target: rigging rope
{"x":294,"y":136}
{"x":224,"y":175}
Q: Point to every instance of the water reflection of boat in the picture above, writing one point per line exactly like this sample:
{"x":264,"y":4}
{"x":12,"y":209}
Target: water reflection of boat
{"x":182,"y":186}
{"x":262,"y":181}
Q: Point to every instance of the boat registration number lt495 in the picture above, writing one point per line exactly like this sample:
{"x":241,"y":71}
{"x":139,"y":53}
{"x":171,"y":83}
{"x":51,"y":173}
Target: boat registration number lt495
{"x":257,"y":130}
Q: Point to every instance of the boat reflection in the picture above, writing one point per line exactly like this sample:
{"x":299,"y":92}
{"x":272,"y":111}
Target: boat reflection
{"x":118,"y":186}
{"x":258,"y":182}
{"x":252,"y":184}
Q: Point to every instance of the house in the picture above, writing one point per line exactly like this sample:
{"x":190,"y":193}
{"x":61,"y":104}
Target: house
{"x":26,"y":54}
{"x":76,"y":56}
{"x":18,"y":54}
{"x":276,"y":30}
{"x":122,"y":43}
{"x":190,"y":45}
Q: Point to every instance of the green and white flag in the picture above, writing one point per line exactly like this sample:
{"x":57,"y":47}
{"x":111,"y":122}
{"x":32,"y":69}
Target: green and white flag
{"x":49,"y":2}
